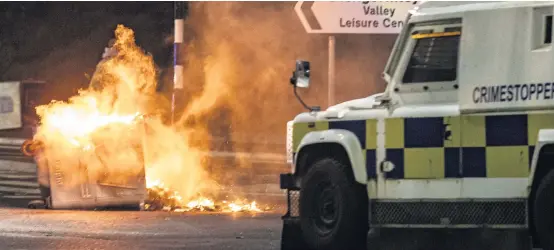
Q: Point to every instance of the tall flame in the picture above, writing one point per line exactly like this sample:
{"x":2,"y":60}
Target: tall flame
{"x":106,"y":124}
{"x":114,"y":127}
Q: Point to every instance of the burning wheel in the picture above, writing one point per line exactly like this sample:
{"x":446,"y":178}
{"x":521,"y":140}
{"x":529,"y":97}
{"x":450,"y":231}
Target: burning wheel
{"x":333,"y":207}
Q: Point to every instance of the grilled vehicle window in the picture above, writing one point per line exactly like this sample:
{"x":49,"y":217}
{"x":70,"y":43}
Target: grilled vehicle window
{"x":434,"y":59}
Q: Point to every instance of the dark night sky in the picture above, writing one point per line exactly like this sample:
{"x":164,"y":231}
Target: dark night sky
{"x":32,"y":31}
{"x":62,"y":42}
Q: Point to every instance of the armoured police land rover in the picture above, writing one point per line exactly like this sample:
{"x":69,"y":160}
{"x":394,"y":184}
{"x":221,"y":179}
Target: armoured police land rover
{"x":461,"y":140}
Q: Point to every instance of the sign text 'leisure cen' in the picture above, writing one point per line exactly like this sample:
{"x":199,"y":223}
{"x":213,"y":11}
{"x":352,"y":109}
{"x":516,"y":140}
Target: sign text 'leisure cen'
{"x":351,"y":17}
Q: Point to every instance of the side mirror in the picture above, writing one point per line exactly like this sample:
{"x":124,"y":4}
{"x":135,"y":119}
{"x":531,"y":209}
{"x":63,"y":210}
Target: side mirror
{"x":301,"y":75}
{"x":301,"y":78}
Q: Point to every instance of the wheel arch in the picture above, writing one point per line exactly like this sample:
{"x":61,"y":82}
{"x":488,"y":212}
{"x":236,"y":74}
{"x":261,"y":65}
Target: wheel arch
{"x":543,"y":156}
{"x":340,"y":144}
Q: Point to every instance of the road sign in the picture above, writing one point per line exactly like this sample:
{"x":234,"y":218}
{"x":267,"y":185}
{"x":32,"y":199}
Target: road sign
{"x":368,"y":17}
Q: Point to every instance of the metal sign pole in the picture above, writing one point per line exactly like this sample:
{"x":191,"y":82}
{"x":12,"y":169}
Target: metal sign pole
{"x":177,"y":55}
{"x":331,"y":73}
{"x":333,"y":17}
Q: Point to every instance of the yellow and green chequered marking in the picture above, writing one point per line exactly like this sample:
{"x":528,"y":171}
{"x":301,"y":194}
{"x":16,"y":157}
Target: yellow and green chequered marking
{"x":491,"y":146}
{"x":420,"y":147}
{"x":300,"y":129}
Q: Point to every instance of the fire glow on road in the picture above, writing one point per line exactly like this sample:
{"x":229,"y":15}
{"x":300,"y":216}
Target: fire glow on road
{"x":163,"y":198}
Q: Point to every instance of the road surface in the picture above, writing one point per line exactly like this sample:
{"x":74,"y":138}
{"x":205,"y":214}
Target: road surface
{"x":47,"y":229}
{"x":18,"y":185}
{"x":22,"y":228}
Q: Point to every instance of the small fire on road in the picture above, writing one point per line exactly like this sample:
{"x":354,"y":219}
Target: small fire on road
{"x":162,"y":198}
{"x":115,"y":128}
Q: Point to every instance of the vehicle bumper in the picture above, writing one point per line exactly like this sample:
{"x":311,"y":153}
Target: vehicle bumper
{"x":289,"y":182}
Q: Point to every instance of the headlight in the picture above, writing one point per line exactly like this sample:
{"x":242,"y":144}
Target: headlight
{"x":289,"y":142}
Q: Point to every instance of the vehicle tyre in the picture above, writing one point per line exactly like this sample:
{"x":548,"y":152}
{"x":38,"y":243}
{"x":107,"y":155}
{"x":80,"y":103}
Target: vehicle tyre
{"x":291,"y":237}
{"x":333,"y":207}
{"x":543,"y":207}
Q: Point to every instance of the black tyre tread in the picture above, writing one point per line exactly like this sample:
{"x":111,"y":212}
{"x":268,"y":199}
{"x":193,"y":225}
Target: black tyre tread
{"x":544,"y":202}
{"x":291,"y":237}
{"x":353,"y":225}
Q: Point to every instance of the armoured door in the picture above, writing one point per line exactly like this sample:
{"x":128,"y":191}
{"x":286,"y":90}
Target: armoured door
{"x":422,"y":136}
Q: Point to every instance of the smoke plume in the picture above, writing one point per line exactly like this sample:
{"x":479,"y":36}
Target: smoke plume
{"x":240,"y":57}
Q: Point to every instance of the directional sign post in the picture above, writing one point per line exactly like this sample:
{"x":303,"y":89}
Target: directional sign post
{"x":368,"y":17}
{"x":331,"y":73}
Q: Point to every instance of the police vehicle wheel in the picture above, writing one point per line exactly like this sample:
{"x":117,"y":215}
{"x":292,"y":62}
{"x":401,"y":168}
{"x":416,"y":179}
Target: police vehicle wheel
{"x":333,"y":207}
{"x":291,"y":237}
{"x":543,"y":207}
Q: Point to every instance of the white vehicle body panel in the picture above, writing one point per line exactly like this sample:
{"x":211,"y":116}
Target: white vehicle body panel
{"x":545,"y":137}
{"x":348,"y":141}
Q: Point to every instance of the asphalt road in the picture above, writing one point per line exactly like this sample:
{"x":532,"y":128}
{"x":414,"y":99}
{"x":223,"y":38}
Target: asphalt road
{"x":22,"y":228}
{"x":118,"y":230}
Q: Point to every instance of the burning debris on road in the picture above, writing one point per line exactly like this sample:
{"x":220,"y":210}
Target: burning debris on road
{"x":162,"y":198}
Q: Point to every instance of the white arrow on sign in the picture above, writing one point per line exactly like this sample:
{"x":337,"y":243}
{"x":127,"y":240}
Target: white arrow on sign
{"x":368,"y":17}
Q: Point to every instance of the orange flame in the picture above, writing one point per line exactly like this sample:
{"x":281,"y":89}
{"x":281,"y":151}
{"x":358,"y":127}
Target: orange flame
{"x":109,"y":117}
{"x":175,"y":202}
{"x":115,"y":126}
